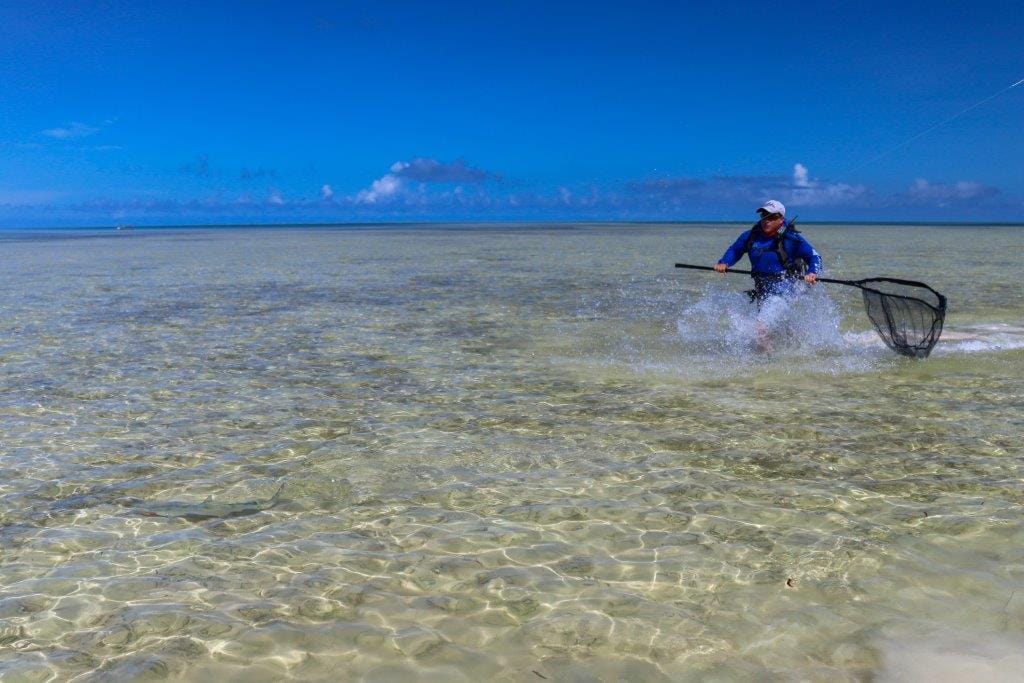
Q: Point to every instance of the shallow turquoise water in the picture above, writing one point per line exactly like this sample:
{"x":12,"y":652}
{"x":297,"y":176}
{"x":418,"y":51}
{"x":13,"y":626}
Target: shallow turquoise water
{"x":511,"y":453}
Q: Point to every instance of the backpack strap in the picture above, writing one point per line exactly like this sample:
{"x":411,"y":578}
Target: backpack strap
{"x":794,"y":267}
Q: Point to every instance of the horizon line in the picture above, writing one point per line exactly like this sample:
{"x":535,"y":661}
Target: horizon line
{"x":496,"y":223}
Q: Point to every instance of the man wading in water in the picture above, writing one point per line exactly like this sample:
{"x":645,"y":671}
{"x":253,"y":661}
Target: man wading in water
{"x":779,"y":256}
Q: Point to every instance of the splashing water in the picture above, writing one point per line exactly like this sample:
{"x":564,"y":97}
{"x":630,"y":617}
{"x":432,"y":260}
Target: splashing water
{"x":730,"y":333}
{"x":716,"y":331}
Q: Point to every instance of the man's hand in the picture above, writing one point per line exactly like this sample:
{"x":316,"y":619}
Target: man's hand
{"x":721,"y":267}
{"x":811,"y":278}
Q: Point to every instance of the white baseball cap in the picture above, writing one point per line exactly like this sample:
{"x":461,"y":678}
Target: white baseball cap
{"x":773,"y":206}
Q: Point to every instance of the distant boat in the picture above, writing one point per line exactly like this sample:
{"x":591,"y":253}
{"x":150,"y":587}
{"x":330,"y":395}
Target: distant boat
{"x":123,"y":227}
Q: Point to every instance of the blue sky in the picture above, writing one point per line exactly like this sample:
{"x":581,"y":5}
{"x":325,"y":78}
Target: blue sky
{"x":218,"y":112}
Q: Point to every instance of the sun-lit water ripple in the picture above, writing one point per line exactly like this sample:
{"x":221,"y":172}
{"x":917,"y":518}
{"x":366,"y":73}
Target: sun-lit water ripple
{"x":513,"y":454}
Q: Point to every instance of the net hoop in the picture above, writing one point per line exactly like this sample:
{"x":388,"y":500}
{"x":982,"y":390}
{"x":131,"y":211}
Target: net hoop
{"x":908,"y":322}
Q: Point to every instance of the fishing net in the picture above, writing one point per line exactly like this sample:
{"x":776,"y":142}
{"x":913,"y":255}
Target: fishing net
{"x":908,"y":315}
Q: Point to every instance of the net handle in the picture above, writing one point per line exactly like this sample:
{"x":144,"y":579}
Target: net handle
{"x":859,"y":284}
{"x":849,"y":283}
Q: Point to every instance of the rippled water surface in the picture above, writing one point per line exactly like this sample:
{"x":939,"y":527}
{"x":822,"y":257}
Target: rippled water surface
{"x":509,"y":454}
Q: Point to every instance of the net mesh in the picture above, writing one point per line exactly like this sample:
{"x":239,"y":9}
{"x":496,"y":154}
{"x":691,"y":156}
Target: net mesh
{"x":908,"y":315}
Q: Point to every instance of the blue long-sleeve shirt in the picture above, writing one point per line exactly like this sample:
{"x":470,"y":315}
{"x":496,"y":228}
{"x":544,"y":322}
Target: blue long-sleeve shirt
{"x":764,"y":260}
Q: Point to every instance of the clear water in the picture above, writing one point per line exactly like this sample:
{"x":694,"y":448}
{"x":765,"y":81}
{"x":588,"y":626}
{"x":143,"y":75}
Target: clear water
{"x":502,"y":453}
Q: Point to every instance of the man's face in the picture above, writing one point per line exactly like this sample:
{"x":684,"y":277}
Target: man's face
{"x":771,"y":223}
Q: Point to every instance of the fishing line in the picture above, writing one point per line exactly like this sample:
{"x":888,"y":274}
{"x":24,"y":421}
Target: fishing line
{"x":937,"y":125}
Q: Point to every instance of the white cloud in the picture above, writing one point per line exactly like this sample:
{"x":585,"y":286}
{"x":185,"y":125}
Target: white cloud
{"x":807,"y":192}
{"x":434,"y":171}
{"x":415,"y":182}
{"x":275,"y":198}
{"x":799,"y":190}
{"x":382,"y":189}
{"x":74,"y":129}
{"x":800,"y":175}
{"x":326,"y":192}
{"x":827,"y":195}
{"x":942,"y":192}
